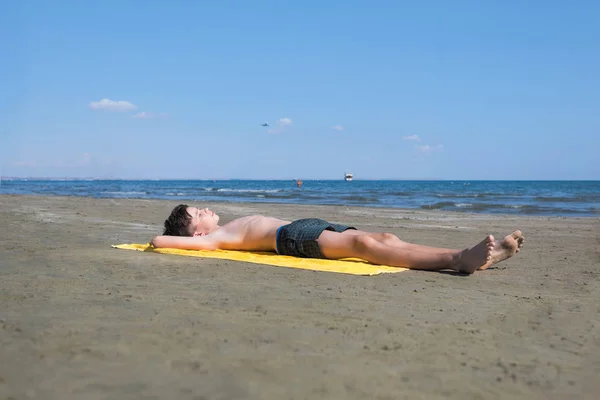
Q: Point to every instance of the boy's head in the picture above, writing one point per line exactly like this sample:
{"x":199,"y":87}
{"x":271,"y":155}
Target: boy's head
{"x":190,"y":221}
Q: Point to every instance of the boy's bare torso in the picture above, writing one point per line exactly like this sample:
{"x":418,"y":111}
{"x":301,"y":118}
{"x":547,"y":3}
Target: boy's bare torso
{"x":252,"y":233}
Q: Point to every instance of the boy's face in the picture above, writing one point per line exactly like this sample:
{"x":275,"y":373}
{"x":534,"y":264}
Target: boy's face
{"x":203,"y":221}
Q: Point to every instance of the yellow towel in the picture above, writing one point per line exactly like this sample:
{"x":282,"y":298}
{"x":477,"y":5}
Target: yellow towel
{"x":352,"y":266}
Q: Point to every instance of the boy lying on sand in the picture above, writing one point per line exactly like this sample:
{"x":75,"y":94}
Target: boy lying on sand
{"x":192,"y":228}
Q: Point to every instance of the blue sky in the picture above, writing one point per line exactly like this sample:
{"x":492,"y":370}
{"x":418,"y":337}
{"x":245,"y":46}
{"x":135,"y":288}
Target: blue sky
{"x":386,"y":89}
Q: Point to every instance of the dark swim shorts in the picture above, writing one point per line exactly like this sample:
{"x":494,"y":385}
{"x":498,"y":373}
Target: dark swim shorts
{"x":299,"y":239}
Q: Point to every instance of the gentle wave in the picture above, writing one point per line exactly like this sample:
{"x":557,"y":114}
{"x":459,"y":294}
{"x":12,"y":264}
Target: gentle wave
{"x":125,"y":193}
{"x":360,"y":199}
{"x":578,"y":199}
{"x":246,"y":190}
{"x":522,"y":208}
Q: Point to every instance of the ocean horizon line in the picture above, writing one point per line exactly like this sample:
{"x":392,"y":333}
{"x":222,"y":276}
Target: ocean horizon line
{"x":43,"y":178}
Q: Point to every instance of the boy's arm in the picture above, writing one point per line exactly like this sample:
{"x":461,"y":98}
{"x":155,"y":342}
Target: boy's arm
{"x":185,"y":242}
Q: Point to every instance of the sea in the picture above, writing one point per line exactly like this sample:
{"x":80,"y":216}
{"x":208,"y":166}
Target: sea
{"x":544,"y":198}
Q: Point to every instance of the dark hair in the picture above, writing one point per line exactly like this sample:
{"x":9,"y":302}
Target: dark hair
{"x":178,"y":222}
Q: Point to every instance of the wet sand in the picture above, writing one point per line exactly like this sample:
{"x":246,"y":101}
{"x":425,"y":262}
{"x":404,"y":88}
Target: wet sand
{"x":81,"y":320}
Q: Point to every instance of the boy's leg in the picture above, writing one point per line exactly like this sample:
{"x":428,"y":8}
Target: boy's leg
{"x":339,"y":245}
{"x":392,"y":240}
{"x":502,"y":250}
{"x":336,"y":245}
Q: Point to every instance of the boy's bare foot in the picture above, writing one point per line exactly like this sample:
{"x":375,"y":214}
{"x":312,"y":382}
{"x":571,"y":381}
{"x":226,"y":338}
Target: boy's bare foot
{"x":506,"y":248}
{"x":475,"y":257}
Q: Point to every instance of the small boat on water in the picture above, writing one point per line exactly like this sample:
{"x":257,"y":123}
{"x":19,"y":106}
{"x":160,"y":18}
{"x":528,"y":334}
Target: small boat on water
{"x":348,"y":176}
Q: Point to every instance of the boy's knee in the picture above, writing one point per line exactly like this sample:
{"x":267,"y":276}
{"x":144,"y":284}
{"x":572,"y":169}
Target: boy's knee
{"x":363,"y":242}
{"x":386,"y":236}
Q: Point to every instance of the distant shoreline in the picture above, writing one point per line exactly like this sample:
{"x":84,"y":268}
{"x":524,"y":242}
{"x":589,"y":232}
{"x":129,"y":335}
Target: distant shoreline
{"x":58,"y":179}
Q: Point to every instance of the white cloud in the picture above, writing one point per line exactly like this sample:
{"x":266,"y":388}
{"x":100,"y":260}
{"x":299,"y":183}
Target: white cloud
{"x":284,"y":122}
{"x":149,"y":115}
{"x":414,"y":138}
{"x":282,"y":125}
{"x":143,"y":115}
{"x":428,"y":149}
{"x":111,"y":105}
{"x":338,"y":128}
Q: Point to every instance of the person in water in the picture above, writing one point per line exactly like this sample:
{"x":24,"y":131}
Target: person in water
{"x":193,"y":228}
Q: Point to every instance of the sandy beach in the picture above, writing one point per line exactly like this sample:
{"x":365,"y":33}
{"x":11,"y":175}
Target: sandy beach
{"x":81,"y":320}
